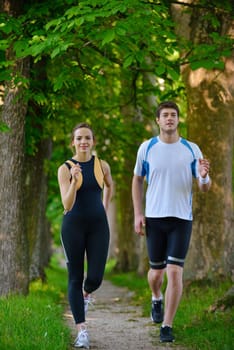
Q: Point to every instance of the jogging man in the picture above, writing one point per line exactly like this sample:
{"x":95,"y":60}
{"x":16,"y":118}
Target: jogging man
{"x":168,"y":163}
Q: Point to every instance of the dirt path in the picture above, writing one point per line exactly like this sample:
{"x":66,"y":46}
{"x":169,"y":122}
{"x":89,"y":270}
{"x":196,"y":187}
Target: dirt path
{"x":114,"y":323}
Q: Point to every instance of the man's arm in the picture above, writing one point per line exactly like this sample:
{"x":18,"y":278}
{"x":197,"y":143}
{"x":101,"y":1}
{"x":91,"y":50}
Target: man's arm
{"x":137,"y":197}
{"x":204,"y":180}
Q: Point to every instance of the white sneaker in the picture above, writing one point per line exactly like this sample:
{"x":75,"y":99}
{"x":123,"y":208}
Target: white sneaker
{"x":88,"y":301}
{"x":82,"y":340}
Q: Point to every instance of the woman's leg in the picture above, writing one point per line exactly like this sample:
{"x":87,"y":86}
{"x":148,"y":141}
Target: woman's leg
{"x":97,"y":251}
{"x":73,"y":241}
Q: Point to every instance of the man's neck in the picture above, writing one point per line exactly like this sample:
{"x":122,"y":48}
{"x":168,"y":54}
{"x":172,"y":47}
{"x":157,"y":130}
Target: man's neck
{"x":169,"y":138}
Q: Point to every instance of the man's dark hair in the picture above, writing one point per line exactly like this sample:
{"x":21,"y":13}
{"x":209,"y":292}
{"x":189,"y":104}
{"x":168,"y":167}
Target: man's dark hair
{"x":167,"y":104}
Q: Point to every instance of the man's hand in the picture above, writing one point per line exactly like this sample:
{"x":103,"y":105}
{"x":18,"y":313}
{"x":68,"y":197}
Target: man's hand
{"x":140,"y":225}
{"x":203,"y":167}
{"x":204,"y":181}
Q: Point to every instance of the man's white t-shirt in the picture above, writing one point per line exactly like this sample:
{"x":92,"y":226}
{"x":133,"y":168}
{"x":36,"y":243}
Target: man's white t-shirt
{"x":169,"y":169}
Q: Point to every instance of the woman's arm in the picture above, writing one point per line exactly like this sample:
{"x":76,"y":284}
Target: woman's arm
{"x":108,"y":184}
{"x":68,"y":184}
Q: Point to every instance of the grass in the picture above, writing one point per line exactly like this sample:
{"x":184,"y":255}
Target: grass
{"x":196,"y":327}
{"x":36,"y":321}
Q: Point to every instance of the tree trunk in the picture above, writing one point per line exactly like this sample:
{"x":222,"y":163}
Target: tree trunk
{"x":36,"y":180}
{"x":210,"y":119}
{"x":127,"y":243}
{"x":14,"y":274}
{"x":127,"y":256}
{"x":210,"y":125}
{"x":37,"y":226}
{"x":24,"y":238}
{"x":149,"y":80}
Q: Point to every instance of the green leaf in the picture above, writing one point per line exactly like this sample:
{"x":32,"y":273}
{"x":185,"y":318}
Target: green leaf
{"x":54,"y":23}
{"x":90,"y":18}
{"x":219,"y":65}
{"x":74,"y":11}
{"x":21,"y":47}
{"x":59,"y":49}
{"x":8,"y":25}
{"x":55,"y":52}
{"x":5,"y":75}
{"x":227,"y":53}
{"x":128,"y":61}
{"x":109,"y":36}
{"x":121,"y":31}
{"x":79,"y":21}
{"x":173,"y":73}
{"x":207,"y":64}
{"x":40,"y":98}
{"x":4,"y":44}
{"x":160,"y":69}
{"x":140,"y":56}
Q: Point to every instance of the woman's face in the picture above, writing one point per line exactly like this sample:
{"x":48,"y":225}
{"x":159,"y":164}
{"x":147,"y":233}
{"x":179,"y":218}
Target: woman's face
{"x":83,"y":140}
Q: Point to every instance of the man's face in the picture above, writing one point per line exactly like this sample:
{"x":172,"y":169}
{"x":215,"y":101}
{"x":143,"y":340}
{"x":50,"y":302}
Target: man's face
{"x":168,"y":120}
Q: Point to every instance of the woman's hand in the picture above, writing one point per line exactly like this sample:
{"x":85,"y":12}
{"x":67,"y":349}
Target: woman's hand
{"x":75,"y":172}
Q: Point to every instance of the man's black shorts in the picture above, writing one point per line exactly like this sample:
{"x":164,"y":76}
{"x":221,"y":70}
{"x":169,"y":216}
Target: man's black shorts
{"x":167,"y":241}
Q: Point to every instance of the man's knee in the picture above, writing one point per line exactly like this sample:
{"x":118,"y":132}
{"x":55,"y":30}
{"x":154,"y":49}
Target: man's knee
{"x":156,"y":274}
{"x":174,"y":272}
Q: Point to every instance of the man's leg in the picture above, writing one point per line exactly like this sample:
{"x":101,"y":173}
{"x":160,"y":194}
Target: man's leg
{"x":155,"y":280}
{"x":173,"y":292}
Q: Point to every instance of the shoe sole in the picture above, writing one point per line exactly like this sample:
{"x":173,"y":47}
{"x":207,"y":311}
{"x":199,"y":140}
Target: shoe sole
{"x":155,"y":321}
{"x":81,"y":346}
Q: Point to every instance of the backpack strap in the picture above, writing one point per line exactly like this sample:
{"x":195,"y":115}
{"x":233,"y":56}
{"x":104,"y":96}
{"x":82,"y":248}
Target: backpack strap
{"x":70,"y":164}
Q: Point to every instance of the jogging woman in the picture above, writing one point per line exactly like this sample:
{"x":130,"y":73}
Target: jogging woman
{"x":86,"y":188}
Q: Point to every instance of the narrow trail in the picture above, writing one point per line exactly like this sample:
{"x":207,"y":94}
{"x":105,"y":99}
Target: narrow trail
{"x":114,"y":323}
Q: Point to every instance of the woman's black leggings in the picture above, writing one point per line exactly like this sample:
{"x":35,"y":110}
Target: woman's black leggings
{"x":80,"y":237}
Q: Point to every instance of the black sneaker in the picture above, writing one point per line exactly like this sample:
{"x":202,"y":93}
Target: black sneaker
{"x":157,"y":311}
{"x":166,"y":335}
